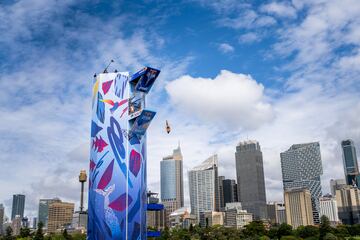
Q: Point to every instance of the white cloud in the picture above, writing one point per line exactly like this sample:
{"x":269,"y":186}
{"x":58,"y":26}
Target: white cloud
{"x":226,"y":48}
{"x":229,"y":98}
{"x":280,"y":9}
{"x":250,"y":37}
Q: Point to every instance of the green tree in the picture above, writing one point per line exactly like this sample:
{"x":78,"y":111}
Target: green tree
{"x":8,"y":233}
{"x":255,"y":228}
{"x":39,"y":235}
{"x":66,"y":235}
{"x":288,"y":238}
{"x":341,"y":231}
{"x":307,"y":231}
{"x":272,"y":233}
{"x":324,"y":226}
{"x":24,"y":232}
{"x":330,"y":236}
{"x":284,"y":230}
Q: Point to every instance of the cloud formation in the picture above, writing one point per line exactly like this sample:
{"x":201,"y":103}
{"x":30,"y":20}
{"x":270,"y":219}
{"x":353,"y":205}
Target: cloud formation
{"x":230,"y":99}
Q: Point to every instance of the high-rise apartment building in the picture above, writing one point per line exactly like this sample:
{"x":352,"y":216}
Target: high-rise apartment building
{"x":171,"y":181}
{"x":276,"y":213}
{"x":44,"y":210}
{"x":298,"y":207}
{"x":235,"y":216}
{"x":336,"y":184}
{"x":348,"y":203}
{"x":60,"y":215}
{"x":18,"y":206}
{"x":204,"y":187}
{"x":2,"y":213}
{"x":351,"y":167}
{"x":328,"y":208}
{"x":301,"y":168}
{"x":250,"y":178}
{"x":221,"y":193}
{"x":229,"y":191}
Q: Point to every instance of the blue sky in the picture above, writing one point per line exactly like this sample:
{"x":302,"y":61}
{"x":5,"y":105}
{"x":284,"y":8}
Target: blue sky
{"x":280,"y":72}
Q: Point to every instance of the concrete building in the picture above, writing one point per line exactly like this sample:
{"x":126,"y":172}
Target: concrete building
{"x":171,"y":181}
{"x":2,"y":213}
{"x":79,"y":221}
{"x":336,"y":184}
{"x":211,"y":218}
{"x":235,"y":216}
{"x":221,"y":193}
{"x":44,"y":210}
{"x":229,"y":191}
{"x":155,"y":219}
{"x":60,"y":215}
{"x":298,"y":207}
{"x":18,"y":206}
{"x":348,"y":203}
{"x":276,"y":213}
{"x":351,"y":168}
{"x":204,"y":187}
{"x":328,"y":207}
{"x":182,"y":218}
{"x":16,"y":225}
{"x":250,"y":178}
{"x":301,"y":168}
{"x":34,"y":223}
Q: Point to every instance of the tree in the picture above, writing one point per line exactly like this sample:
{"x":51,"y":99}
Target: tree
{"x":39,"y":235}
{"x":24,"y":232}
{"x":284,"y":230}
{"x":255,"y":228}
{"x":341,"y":231}
{"x":324,"y":226}
{"x":66,"y":235}
{"x":307,"y":231}
{"x":330,"y":236}
{"x":288,"y":238}
{"x":9,"y":232}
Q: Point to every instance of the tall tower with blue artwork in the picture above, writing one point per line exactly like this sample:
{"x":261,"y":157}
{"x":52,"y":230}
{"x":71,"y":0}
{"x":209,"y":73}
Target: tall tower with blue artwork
{"x":117,"y":176}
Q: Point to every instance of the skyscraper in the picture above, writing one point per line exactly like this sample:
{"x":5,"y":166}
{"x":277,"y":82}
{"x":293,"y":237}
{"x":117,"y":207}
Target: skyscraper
{"x":336,"y":184}
{"x":348,"y":204}
{"x":301,"y":168}
{"x":250,"y":178}
{"x":221,"y":193}
{"x":204,"y":187}
{"x":171,"y":180}
{"x":60,"y":215}
{"x":2,"y":212}
{"x":44,"y":210}
{"x":18,"y":206}
{"x":229,"y":191}
{"x":298,"y":207}
{"x":351,"y":168}
{"x":171,"y":171}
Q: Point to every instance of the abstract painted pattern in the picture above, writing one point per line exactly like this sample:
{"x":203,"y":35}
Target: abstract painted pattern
{"x":117,"y":179}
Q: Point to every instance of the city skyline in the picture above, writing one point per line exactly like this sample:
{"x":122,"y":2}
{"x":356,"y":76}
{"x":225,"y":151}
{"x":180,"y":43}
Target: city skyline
{"x":230,"y":72}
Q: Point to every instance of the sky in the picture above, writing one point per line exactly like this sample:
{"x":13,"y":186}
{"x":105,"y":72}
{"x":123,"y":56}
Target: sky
{"x":279,"y":72}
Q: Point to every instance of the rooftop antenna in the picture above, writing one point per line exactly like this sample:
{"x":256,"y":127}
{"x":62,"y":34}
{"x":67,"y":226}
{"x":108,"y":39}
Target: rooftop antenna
{"x":105,"y":70}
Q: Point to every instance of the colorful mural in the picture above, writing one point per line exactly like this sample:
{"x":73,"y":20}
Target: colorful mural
{"x":117,"y":179}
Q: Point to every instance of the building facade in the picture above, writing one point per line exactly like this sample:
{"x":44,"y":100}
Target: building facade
{"x":298,"y":207}
{"x":336,"y":184}
{"x":155,"y":219}
{"x":351,"y":168}
{"x":60,"y":215}
{"x":301,"y":168}
{"x":211,"y":218}
{"x":2,"y":213}
{"x":229,"y":191}
{"x":44,"y":210}
{"x":204,"y":187}
{"x":348,"y":203}
{"x":276,"y":213}
{"x":328,"y":208}
{"x":182,"y":218}
{"x":171,"y":181}
{"x":250,"y":178}
{"x":235,"y":216}
{"x":221,"y":193}
{"x":16,"y":225}
{"x":18,"y":206}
